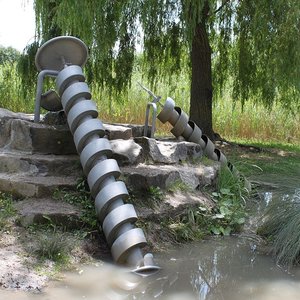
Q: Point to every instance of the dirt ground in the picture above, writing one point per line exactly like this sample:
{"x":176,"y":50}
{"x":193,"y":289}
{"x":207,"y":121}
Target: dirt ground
{"x":17,"y":271}
{"x":21,"y":270}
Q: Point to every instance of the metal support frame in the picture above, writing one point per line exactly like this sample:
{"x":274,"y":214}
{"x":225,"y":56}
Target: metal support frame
{"x":154,"y":111}
{"x":39,"y":90}
{"x":152,"y":104}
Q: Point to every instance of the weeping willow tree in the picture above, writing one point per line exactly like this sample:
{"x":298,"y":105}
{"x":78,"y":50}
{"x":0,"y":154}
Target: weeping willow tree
{"x":250,"y":46}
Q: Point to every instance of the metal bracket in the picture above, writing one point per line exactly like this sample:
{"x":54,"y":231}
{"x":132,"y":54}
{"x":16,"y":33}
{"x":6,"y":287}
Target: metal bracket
{"x":154,"y":110}
{"x":152,"y":104}
{"x":39,"y":89}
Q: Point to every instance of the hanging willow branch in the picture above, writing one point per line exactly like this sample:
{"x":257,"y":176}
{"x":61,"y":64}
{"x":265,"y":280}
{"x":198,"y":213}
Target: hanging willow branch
{"x":255,"y":44}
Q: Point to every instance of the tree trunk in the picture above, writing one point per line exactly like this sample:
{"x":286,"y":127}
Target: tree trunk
{"x":201,"y":83}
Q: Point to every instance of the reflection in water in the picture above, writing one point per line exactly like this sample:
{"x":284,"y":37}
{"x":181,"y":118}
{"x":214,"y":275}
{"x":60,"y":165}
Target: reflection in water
{"x":268,"y":197}
{"x":230,"y":268}
{"x":217,"y":269}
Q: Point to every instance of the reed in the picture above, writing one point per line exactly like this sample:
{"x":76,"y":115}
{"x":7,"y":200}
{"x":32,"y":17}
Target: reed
{"x":231,"y":120}
{"x":281,"y":227}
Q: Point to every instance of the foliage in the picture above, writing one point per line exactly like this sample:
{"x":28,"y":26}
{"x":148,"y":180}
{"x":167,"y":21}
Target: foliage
{"x":230,"y":197}
{"x":81,"y":198}
{"x":27,"y":70}
{"x":224,"y":218}
{"x":7,"y":210}
{"x":264,"y":53}
{"x":155,"y":193}
{"x":8,"y":55}
{"x":281,"y":226}
{"x":14,"y":92}
{"x":150,"y":198}
{"x":253,"y":43}
{"x":253,"y":121}
{"x":192,"y":225}
{"x":178,"y":185}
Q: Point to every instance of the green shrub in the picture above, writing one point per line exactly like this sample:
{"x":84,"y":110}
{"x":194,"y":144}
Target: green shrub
{"x":230,"y":198}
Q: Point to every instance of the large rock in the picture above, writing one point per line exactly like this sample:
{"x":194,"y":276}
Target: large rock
{"x":173,"y":204}
{"x":169,"y":152}
{"x":7,"y":114}
{"x":38,"y":164}
{"x":126,"y":152}
{"x":51,"y":135}
{"x":24,"y":135}
{"x":136,"y":130}
{"x":24,"y":185}
{"x":142,"y":176}
{"x":115,"y":132}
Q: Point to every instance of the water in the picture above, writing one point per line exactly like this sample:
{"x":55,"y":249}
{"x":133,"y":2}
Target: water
{"x":216,"y":269}
{"x":233,"y":268}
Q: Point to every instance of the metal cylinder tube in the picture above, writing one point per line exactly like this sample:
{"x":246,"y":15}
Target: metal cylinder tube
{"x":116,"y":217}
{"x":186,"y":128}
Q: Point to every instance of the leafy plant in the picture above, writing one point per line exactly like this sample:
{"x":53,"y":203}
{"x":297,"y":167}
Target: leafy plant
{"x":190,"y":226}
{"x":229,"y":213}
{"x":155,"y":193}
{"x":81,"y":198}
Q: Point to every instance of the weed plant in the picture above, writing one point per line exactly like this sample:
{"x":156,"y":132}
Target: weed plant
{"x":150,"y":198}
{"x":179,"y":185}
{"x":281,"y":227}
{"x":53,"y":245}
{"x":226,"y":217}
{"x":7,"y":210}
{"x":192,"y":225}
{"x":81,"y":198}
{"x":230,"y":199}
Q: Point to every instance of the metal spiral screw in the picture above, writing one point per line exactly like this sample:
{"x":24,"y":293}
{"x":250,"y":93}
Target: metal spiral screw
{"x":116,"y":217}
{"x":186,"y":128}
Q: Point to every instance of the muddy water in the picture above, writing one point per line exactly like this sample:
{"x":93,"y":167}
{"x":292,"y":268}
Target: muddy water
{"x":222,"y":268}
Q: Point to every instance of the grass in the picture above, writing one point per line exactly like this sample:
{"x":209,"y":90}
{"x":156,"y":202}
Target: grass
{"x":230,"y":198}
{"x":52,"y":245}
{"x":82,"y":199}
{"x":7,"y":210}
{"x":227,"y":216}
{"x":278,"y":166}
{"x":281,"y":227}
{"x":252,"y":122}
{"x":151,"y":198}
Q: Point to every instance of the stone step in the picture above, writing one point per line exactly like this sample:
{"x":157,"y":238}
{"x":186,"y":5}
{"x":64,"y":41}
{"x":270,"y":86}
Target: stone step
{"x":18,"y":132}
{"x":43,"y":210}
{"x":143,"y":176}
{"x":38,"y":164}
{"x":24,"y":185}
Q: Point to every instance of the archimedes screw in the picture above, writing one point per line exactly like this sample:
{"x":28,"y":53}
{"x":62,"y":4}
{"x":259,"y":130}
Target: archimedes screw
{"x":66,"y":55}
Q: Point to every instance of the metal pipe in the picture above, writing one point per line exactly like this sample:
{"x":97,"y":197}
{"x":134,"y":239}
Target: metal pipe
{"x":154,"y":110}
{"x":39,"y":90}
